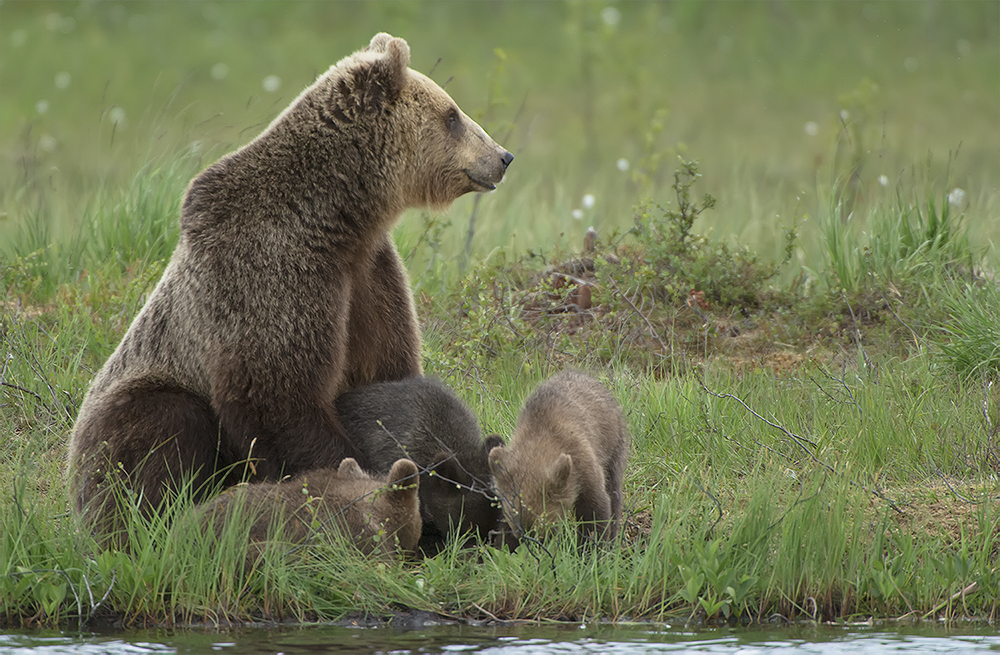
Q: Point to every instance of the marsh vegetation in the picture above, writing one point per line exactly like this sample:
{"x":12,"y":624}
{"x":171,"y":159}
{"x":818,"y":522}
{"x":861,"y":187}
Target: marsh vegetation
{"x":792,"y":292}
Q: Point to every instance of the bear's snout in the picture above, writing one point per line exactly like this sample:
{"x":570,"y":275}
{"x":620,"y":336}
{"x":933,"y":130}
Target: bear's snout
{"x":506,"y":159}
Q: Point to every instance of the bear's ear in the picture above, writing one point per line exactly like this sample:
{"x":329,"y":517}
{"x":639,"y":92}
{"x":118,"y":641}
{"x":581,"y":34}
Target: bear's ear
{"x":491,"y":442}
{"x":371,"y":77}
{"x":560,"y":474}
{"x":379,"y":42}
{"x":349,"y":468}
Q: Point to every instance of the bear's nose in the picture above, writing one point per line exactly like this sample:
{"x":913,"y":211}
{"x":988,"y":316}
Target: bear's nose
{"x":506,"y":159}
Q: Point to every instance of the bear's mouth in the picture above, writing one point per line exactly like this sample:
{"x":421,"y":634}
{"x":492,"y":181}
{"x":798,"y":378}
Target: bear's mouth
{"x":480,"y":183}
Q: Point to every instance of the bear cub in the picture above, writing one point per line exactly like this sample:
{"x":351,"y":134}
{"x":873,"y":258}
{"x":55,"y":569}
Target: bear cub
{"x":423,"y":420}
{"x":565,"y":459}
{"x":380,"y":514}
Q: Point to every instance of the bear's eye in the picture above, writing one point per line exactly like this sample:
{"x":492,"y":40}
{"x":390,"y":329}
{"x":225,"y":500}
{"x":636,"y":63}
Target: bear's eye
{"x":454,"y":122}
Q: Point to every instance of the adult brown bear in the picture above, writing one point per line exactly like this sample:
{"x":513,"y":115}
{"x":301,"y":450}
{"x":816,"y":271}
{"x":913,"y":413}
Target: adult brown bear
{"x":285,"y":290}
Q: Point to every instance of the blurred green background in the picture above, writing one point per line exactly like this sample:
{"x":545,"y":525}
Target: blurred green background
{"x":790,"y":106}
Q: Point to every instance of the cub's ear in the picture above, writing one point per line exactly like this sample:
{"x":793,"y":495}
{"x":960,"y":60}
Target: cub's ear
{"x":498,"y":454}
{"x":349,"y":468}
{"x":560,"y":474}
{"x":405,"y":474}
{"x":404,"y":470}
{"x":492,"y":441}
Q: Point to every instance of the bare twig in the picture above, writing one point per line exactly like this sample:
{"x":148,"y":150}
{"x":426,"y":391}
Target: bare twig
{"x":857,"y":333}
{"x":631,"y":304}
{"x":801,"y":442}
{"x":22,"y":389}
{"x":952,"y":489}
{"x":715,"y":500}
{"x":916,"y":340}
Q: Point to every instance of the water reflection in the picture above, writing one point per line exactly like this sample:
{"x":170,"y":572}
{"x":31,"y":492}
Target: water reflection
{"x":516,"y":640}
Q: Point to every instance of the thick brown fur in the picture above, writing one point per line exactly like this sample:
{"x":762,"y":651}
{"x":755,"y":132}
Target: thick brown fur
{"x":285,"y":291}
{"x":423,"y":420}
{"x":565,"y":459}
{"x":380,"y":514}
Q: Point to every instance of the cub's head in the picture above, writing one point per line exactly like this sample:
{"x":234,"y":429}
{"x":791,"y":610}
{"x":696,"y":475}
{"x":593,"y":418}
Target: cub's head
{"x":535,"y":495}
{"x":429,"y":149}
{"x":455,"y":499}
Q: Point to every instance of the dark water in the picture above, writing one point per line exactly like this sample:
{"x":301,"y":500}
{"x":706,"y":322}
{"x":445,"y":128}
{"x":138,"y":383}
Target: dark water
{"x":518,"y":640}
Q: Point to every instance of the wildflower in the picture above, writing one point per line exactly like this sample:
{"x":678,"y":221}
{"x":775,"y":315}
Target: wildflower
{"x":883,"y":180}
{"x":42,"y":106}
{"x":588,"y":201}
{"x":622,"y":164}
{"x":611,"y":16}
{"x":812,"y":128}
{"x":845,"y":115}
{"x":220,"y":71}
{"x":47,"y":142}
{"x":271,"y":83}
{"x":577,"y":214}
{"x":956,"y":197}
{"x":62,"y":80}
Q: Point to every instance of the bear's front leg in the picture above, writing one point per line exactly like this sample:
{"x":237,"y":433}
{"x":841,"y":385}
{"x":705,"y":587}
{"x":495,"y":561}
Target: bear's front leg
{"x":383,"y":335}
{"x":274,"y":387}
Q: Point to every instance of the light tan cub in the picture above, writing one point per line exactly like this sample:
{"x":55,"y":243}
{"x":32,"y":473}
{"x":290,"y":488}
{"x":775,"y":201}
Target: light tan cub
{"x":565,"y":459}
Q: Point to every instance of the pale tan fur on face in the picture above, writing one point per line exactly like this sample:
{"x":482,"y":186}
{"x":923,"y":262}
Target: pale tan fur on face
{"x":534,"y":501}
{"x":452,"y":155}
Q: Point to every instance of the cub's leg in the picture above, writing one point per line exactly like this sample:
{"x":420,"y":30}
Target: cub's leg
{"x":614,"y":475}
{"x":593,"y":510}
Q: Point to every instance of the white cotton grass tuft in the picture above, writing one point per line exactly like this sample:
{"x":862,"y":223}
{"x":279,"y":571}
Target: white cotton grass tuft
{"x":271,"y":83}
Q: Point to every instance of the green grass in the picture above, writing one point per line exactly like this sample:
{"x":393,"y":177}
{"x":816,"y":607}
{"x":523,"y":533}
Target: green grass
{"x":814,"y":437}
